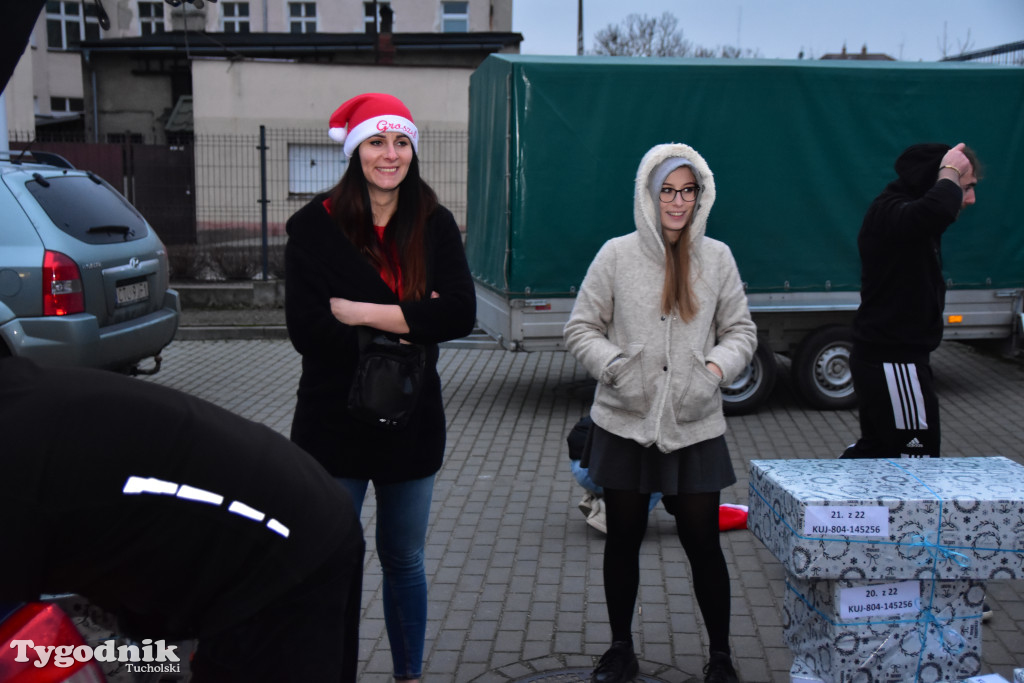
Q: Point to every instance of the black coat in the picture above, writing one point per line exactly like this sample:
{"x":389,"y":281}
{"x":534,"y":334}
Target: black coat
{"x":902,"y":287}
{"x":168,"y":565}
{"x":322,"y":263}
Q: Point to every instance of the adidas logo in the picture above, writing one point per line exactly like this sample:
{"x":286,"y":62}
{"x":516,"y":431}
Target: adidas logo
{"x":914,"y":443}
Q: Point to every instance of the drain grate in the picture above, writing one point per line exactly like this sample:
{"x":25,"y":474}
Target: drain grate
{"x":573,"y":676}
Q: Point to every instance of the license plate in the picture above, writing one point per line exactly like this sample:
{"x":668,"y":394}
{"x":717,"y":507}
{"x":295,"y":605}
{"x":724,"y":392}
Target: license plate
{"x":132,"y":293}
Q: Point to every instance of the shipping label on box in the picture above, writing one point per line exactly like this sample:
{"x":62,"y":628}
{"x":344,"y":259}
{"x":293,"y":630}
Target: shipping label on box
{"x":948,"y":518}
{"x":886,"y":632}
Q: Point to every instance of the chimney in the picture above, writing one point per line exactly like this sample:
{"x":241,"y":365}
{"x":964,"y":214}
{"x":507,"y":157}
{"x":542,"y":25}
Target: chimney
{"x":385,"y":45}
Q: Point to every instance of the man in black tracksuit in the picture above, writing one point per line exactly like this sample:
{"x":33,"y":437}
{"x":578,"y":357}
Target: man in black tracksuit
{"x":899,"y":322}
{"x":183,"y":519}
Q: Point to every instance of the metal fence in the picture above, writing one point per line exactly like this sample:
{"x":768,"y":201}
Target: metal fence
{"x":223,"y":212}
{"x":246,"y":188}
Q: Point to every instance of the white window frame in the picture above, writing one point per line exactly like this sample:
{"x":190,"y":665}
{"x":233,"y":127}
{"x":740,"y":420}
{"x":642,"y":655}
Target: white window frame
{"x":452,"y":16}
{"x":238,"y":22}
{"x":371,"y":22}
{"x":306,"y":20}
{"x":74,"y":28}
{"x":314,"y":168}
{"x":65,"y":105}
{"x":152,"y":24}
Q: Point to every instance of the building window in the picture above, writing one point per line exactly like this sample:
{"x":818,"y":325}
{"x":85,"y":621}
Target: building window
{"x":235,"y":17}
{"x":302,"y":17}
{"x":454,"y":17}
{"x":371,"y":20}
{"x":69,"y":23}
{"x":67,"y":105}
{"x":151,"y":17}
{"x":314,"y":168}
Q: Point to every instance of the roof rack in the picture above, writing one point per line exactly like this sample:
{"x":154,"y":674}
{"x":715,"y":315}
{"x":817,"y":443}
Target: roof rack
{"x":16,"y":156}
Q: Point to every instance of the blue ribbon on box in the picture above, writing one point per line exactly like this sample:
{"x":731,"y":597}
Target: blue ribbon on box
{"x":948,"y":637}
{"x":935,"y":550}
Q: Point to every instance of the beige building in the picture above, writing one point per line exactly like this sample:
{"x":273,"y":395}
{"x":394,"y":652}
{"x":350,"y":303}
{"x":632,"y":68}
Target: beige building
{"x":168,"y":89}
{"x":59,"y":71}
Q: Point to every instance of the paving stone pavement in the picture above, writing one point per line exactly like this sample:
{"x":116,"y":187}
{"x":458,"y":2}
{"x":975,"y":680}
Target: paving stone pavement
{"x":515,"y":573}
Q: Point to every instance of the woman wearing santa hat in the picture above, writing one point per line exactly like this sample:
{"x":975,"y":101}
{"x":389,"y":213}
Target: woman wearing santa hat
{"x":378,"y":252}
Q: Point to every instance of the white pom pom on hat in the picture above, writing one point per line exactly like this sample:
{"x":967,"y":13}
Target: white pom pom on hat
{"x":368,"y":114}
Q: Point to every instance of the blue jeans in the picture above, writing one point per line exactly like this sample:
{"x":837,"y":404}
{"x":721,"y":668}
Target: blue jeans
{"x":403,"y":510}
{"x":582,"y":475}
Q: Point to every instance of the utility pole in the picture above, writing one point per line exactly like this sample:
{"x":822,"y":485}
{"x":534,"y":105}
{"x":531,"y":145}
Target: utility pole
{"x":579,"y":27}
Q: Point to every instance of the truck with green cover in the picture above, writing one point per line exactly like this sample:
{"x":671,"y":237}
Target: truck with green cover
{"x":799,"y":150}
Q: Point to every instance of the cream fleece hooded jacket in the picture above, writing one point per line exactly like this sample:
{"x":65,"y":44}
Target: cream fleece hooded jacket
{"x":653,"y":385}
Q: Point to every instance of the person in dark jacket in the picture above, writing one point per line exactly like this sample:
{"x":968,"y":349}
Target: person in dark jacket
{"x":183,"y":520}
{"x":899,"y":321}
{"x":378,"y":251}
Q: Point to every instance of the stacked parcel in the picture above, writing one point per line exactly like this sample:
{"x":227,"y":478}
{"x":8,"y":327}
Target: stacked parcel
{"x":887,"y":560}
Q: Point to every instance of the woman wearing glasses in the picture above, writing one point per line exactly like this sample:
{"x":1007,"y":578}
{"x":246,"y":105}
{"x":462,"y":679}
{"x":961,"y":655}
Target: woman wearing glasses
{"x":661,"y":321}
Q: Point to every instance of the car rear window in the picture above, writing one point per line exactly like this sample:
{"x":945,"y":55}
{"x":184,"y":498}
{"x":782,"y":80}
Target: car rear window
{"x":88,"y":210}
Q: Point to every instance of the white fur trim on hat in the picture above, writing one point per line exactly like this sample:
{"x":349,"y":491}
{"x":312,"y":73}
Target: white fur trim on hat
{"x":390,"y":123}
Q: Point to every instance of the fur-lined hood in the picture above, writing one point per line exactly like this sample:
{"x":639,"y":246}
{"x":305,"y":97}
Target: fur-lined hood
{"x":647,"y":213}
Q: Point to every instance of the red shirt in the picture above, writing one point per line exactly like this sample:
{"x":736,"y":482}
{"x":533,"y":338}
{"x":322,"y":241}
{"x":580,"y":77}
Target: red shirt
{"x":392,"y":277}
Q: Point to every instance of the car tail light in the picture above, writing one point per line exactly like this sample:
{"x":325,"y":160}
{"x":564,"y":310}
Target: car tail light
{"x":62,"y":285}
{"x":44,"y":624}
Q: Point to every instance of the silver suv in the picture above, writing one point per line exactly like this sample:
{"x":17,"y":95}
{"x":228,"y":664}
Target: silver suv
{"x":83,"y":276}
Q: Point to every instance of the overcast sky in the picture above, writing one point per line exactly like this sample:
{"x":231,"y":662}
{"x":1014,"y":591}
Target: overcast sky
{"x":905,"y":29}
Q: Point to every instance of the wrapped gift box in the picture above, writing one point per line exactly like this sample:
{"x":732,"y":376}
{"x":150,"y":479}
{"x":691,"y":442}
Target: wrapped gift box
{"x":887,"y":632}
{"x":801,"y":672}
{"x":943,"y":518}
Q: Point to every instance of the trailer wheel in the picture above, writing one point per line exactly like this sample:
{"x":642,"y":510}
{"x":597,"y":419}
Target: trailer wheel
{"x":754,"y":385}
{"x":821,"y":369}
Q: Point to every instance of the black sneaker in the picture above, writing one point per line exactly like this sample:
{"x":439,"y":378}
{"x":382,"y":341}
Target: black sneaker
{"x":719,"y":669}
{"x":617,"y":665}
{"x":986,"y":612}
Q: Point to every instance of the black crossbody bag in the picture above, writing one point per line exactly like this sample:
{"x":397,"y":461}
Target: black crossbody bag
{"x":387,"y":381}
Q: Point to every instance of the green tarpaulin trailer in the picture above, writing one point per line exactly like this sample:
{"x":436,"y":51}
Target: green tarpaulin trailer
{"x":799,"y":149}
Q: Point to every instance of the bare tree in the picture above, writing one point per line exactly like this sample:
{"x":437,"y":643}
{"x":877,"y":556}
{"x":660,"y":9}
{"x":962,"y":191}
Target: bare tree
{"x":642,"y":36}
{"x":965,"y":45}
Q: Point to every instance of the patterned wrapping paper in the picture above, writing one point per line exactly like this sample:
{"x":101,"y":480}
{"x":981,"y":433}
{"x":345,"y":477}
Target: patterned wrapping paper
{"x":943,"y":518}
{"x":938,"y":639}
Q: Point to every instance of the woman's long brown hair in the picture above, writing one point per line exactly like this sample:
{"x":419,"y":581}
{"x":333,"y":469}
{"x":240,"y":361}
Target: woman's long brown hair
{"x":677,"y":291}
{"x":350,"y":202}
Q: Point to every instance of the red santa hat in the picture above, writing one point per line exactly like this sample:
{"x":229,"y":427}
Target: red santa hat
{"x":732,"y":517}
{"x":366,"y":115}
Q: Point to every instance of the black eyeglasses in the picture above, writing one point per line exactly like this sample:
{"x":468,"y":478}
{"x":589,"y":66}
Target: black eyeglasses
{"x":688,"y":193}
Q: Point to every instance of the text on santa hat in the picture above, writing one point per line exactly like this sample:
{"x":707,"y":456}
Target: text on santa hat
{"x":385,"y":126}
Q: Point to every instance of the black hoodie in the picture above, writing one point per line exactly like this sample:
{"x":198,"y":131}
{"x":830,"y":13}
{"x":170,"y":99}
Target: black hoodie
{"x":902,"y":288}
{"x":170,"y":563}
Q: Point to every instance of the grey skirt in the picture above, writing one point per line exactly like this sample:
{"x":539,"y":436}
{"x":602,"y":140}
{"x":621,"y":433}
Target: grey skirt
{"x":623,"y":464}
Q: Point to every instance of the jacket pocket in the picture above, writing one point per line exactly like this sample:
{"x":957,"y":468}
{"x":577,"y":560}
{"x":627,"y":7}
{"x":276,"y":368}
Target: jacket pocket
{"x":627,"y":391}
{"x":702,"y":395}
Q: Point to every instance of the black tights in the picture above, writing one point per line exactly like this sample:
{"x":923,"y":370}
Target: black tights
{"x":697,"y":527}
